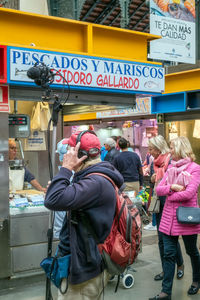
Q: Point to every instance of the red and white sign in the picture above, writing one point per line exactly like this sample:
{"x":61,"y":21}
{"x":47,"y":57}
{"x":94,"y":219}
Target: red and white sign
{"x":4,"y":102}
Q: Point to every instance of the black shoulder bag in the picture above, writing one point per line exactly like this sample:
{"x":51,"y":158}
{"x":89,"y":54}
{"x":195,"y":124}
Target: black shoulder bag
{"x":188,"y":215}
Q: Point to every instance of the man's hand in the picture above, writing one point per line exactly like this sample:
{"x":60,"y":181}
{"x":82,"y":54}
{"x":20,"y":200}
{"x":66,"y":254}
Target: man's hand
{"x":37,"y":186}
{"x":48,"y":184}
{"x":177,"y":188}
{"x":71,"y":160}
{"x":44,"y":190}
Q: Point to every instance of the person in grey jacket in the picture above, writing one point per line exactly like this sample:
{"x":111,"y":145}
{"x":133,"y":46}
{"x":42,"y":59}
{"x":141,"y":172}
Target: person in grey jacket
{"x":110,"y":146}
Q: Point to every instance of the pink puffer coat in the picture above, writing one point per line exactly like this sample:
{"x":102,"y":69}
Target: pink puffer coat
{"x":169,"y":224}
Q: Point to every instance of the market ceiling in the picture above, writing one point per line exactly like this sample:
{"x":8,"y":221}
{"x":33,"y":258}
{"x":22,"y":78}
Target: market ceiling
{"x":110,"y":12}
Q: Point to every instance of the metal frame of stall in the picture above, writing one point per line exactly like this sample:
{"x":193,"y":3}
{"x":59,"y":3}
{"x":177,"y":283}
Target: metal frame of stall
{"x":181,"y":100}
{"x":23,"y":236}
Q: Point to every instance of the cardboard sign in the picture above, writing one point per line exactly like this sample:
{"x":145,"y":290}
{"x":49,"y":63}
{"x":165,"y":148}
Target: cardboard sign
{"x":35,"y":142}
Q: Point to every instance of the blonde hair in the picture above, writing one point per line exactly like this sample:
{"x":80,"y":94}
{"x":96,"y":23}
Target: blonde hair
{"x":182,"y":148}
{"x":159,"y":143}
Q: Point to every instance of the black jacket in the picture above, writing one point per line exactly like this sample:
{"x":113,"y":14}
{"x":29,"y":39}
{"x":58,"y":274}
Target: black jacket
{"x":128,"y":164}
{"x":94,"y":195}
{"x":112,"y":153}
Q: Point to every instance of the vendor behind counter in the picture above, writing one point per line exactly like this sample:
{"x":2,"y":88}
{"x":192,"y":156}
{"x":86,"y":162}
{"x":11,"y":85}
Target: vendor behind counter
{"x":18,"y":177}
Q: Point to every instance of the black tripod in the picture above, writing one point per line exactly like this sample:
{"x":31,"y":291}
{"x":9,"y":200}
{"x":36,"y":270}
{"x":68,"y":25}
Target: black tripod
{"x":43,"y":76}
{"x":57,"y":106}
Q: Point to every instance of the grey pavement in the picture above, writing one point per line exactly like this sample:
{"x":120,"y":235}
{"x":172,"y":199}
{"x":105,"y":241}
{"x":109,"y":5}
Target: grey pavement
{"x":147,"y":265}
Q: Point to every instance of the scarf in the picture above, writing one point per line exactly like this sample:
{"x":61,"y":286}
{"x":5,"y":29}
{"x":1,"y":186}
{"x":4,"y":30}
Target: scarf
{"x":89,"y":163}
{"x":176,"y":174}
{"x":160,"y":165}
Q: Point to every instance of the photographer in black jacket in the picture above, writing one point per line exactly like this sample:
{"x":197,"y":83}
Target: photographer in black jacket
{"x":95,"y":196}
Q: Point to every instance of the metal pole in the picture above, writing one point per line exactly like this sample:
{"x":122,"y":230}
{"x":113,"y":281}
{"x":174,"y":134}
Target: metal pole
{"x":197,"y":9}
{"x":53,"y":148}
{"x":21,"y":150}
{"x":15,"y":107}
{"x":56,"y":108}
{"x":124,"y":4}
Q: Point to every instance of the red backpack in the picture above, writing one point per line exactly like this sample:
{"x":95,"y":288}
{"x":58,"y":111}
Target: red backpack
{"x":122,"y":245}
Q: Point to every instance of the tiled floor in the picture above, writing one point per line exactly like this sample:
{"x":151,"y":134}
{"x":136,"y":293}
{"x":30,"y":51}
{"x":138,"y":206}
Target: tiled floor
{"x":147,"y":266}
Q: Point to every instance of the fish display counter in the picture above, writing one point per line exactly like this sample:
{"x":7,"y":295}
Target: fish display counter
{"x":29,"y":222}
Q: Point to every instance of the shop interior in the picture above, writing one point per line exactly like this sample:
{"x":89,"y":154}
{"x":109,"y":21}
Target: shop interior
{"x":28,"y":218}
{"x":34,"y":149}
{"x":137,"y":132}
{"x":188,"y":128}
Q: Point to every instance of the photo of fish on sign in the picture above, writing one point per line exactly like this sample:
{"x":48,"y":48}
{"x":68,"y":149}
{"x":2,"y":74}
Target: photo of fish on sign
{"x":179,"y":9}
{"x":174,"y":21}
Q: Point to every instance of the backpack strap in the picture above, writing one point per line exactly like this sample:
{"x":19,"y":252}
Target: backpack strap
{"x":105,"y":176}
{"x":87,"y":227}
{"x":115,"y":187}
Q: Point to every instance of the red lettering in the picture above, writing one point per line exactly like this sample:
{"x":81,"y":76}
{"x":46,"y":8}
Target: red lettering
{"x":89,"y":78}
{"x":105,"y":82}
{"x":64,"y":74}
{"x":115,"y":85}
{"x":69,"y":74}
{"x":82,"y":78}
{"x":125,"y":82}
{"x":120,"y":82}
{"x":109,"y":82}
{"x":76,"y":74}
{"x":99,"y":80}
{"x":136,"y":83}
{"x":131,"y":83}
{"x":59,"y":77}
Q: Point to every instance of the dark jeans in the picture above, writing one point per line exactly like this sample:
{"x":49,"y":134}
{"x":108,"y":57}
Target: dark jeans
{"x":179,"y":257}
{"x":169,"y":259}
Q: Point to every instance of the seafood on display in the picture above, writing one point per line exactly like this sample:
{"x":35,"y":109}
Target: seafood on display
{"x":180,"y":9}
{"x":190,"y":5}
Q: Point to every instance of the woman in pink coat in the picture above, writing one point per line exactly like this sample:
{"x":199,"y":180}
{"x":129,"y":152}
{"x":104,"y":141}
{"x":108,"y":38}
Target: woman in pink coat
{"x":180,"y":184}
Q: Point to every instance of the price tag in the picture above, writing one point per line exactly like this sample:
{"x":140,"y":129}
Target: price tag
{"x":21,"y":202}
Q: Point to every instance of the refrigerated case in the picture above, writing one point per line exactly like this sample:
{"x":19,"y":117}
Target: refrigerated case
{"x":28,"y":238}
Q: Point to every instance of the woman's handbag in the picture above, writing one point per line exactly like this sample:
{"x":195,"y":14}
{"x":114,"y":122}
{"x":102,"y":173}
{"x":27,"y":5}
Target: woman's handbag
{"x":154,"y":206}
{"x":57,"y":269}
{"x":188,"y":215}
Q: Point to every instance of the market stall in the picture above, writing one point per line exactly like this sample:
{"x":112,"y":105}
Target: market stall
{"x":95,"y":75}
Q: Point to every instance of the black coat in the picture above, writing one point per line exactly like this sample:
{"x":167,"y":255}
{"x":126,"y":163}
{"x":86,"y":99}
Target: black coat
{"x":112,"y":153}
{"x":94,"y":195}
